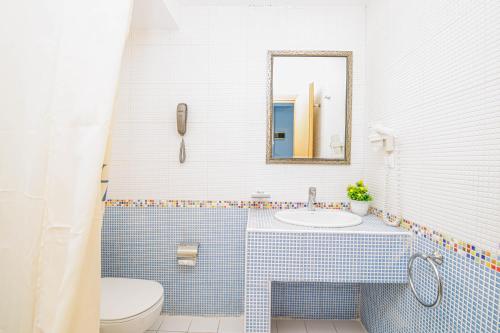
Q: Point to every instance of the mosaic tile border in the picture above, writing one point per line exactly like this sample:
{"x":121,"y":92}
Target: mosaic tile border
{"x":478,"y":255}
{"x":244,"y":204}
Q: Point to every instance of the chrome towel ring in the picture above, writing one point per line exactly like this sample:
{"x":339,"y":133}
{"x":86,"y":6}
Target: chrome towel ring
{"x":434,"y":259}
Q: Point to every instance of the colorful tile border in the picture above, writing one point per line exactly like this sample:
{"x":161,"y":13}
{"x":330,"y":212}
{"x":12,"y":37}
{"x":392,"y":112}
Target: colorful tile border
{"x":245,"y":204}
{"x":479,"y":256}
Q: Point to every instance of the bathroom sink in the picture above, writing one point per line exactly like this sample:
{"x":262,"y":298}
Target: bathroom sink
{"x":320,"y":218}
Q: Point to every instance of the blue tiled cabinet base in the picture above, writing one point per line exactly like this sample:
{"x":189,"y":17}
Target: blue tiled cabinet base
{"x":316,"y":257}
{"x":471,"y":298}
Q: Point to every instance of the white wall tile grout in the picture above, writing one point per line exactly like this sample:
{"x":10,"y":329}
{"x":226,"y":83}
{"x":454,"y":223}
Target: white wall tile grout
{"x":216,"y":63}
{"x":425,"y":80}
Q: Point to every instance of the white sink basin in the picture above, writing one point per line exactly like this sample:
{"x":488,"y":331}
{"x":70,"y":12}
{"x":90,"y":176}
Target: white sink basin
{"x":320,"y":218}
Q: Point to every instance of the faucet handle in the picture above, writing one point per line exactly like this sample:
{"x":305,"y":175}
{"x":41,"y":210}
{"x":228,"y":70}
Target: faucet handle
{"x":312,"y":198}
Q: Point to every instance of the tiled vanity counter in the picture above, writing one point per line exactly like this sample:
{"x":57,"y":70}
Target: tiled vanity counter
{"x":371,"y":252}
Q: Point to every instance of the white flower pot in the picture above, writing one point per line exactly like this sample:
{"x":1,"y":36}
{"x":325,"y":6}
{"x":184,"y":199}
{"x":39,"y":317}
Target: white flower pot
{"x":359,"y":207}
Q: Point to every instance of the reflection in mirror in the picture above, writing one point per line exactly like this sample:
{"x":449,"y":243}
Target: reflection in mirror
{"x":309,"y":111}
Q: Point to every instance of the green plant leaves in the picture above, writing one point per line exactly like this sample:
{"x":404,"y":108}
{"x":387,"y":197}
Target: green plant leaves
{"x":358,"y":192}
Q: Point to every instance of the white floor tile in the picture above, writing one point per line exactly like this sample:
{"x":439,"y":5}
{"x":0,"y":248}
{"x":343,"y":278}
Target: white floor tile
{"x":231,"y":325}
{"x":204,"y":325}
{"x":157,"y":324}
{"x":349,"y":326}
{"x":175,"y":324}
{"x":291,"y":326}
{"x":274,"y":326}
{"x":183,"y":324}
{"x":320,"y":326}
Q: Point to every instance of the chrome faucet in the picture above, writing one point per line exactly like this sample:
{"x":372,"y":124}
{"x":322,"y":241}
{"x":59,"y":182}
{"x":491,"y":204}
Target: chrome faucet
{"x":312,"y":198}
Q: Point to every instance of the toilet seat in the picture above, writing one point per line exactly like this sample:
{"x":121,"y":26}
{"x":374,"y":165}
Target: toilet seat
{"x":129,"y":305}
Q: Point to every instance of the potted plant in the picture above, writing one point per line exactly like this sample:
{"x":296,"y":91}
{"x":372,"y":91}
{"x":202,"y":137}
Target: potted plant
{"x":360,"y":198}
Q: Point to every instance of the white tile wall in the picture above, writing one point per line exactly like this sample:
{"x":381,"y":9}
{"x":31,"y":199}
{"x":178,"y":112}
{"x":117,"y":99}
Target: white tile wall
{"x":433,"y":75}
{"x":433,"y":69}
{"x":216,"y":63}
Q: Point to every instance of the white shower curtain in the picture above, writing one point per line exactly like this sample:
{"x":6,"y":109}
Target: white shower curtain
{"x":59,"y":68}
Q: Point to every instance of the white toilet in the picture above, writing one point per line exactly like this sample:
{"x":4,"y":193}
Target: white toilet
{"x":129,"y":305}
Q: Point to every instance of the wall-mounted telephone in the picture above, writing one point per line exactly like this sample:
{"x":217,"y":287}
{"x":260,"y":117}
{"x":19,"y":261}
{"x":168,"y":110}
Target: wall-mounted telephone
{"x":181,"y":128}
{"x":181,"y":118}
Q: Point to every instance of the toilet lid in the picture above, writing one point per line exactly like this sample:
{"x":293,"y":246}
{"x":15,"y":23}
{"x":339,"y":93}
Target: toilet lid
{"x":123,"y":298}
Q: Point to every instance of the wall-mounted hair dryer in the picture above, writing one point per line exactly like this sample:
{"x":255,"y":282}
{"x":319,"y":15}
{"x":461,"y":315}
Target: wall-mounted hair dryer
{"x":382,"y":137}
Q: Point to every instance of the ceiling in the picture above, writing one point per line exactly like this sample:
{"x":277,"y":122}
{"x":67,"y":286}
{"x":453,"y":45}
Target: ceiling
{"x":162,"y":14}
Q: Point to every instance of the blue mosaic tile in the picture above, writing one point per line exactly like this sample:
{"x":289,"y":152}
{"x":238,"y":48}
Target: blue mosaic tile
{"x":141,"y":243}
{"x":471,"y":298}
{"x":317,"y":257}
{"x":315,"y":300}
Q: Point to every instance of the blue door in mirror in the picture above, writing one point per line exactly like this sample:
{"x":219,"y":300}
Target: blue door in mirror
{"x":283,"y":130}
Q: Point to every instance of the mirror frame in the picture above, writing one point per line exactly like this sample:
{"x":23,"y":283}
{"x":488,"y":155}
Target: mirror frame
{"x":348,"y":119}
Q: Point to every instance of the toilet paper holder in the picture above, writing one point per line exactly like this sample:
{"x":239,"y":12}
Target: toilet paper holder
{"x":187,"y":254}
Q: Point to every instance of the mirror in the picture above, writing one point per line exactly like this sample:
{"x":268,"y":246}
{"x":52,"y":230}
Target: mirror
{"x":309,"y":107}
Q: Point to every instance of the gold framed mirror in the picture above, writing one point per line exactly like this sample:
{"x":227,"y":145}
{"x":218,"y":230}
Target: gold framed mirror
{"x":309,"y":107}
